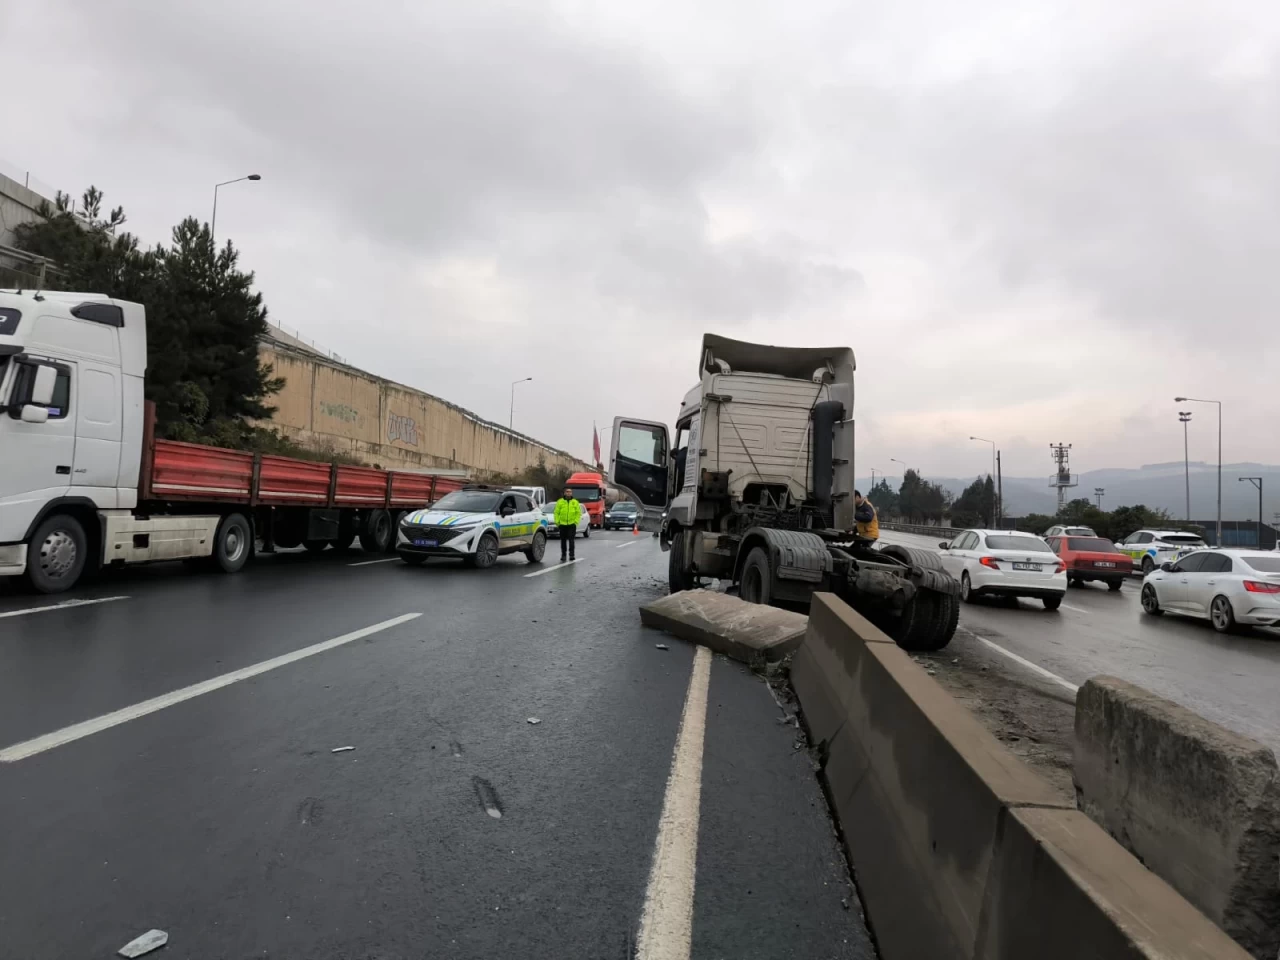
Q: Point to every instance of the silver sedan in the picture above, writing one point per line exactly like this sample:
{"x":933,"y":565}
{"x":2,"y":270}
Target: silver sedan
{"x":1229,"y":588}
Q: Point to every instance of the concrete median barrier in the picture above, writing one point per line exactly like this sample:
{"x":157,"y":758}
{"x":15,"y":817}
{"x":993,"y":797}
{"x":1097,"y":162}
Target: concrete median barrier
{"x":1199,"y":804}
{"x":930,"y":804}
{"x":745,"y":631}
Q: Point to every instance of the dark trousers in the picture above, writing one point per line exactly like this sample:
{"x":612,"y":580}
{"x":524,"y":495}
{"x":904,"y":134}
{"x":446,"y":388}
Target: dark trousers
{"x":567,"y":533}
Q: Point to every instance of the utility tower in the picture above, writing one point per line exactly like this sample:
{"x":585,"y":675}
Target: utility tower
{"x":1062,"y":476}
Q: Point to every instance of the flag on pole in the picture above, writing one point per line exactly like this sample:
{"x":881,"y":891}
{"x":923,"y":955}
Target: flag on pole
{"x":595,"y":443}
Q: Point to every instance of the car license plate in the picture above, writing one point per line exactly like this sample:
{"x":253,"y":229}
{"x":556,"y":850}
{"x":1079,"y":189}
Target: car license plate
{"x":1033,"y":567}
{"x":426,"y":543}
{"x":1103,"y":563}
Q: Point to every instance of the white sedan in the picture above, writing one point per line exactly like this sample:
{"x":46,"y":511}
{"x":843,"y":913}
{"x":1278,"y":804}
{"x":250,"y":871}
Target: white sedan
{"x":549,"y":515}
{"x":477,"y":524}
{"x":1226,"y":587}
{"x":1005,"y":563}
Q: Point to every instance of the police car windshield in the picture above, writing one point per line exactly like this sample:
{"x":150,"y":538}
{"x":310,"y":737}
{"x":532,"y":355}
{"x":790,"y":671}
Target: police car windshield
{"x":1187,"y":538}
{"x":469,"y":501}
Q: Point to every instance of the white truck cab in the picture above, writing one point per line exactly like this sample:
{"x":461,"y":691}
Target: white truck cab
{"x":71,"y":424}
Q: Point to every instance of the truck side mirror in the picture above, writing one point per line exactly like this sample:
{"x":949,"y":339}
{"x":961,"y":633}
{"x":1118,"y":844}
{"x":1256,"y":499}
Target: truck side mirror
{"x":42,"y":389}
{"x":33,"y":414}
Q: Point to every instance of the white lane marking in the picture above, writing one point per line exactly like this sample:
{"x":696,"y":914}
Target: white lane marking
{"x":365,"y":563}
{"x":1033,"y":667}
{"x":29,"y":748}
{"x":1067,"y":606}
{"x":621,"y":545}
{"x":65,"y":605}
{"x":563,"y":563}
{"x":666,"y":923}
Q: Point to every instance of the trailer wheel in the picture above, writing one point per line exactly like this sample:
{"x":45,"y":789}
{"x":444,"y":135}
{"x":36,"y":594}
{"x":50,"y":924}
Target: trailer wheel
{"x":922,"y":626}
{"x":57,"y":554}
{"x":233,"y":543}
{"x":756,"y":583}
{"x":346,"y":531}
{"x":679,"y":575}
{"x":377,"y":535}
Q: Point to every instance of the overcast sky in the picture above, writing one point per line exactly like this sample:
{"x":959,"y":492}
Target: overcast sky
{"x":1033,"y":222}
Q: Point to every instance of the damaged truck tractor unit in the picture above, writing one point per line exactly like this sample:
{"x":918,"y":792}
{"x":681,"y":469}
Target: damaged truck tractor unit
{"x":758,"y":490}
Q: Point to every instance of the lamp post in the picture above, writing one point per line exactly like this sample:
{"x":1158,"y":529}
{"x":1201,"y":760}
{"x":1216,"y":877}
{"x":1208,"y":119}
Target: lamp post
{"x":1257,"y":482}
{"x":213,"y":221}
{"x":511,"y":417}
{"x":1219,"y":403}
{"x":1099,"y":493}
{"x":1184,"y":417}
{"x":999,"y":499}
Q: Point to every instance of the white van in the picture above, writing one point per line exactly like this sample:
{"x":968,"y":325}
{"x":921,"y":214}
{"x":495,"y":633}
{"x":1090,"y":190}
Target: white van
{"x":537,"y":494}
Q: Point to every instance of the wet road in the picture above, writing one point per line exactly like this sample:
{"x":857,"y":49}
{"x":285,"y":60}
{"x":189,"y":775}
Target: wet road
{"x":1231,"y":679}
{"x":455,"y":828}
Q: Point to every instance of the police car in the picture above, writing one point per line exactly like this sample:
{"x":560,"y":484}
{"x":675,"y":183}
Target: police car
{"x":477,"y":524}
{"x":1150,"y":548}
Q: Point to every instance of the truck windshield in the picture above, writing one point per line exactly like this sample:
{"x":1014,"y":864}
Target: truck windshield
{"x":469,"y":501}
{"x":586,"y":494}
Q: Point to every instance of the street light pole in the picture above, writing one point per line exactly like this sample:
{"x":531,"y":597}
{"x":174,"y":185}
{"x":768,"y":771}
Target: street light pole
{"x":1219,"y":403}
{"x":511,"y":417}
{"x":1099,"y":493}
{"x":1257,"y":482}
{"x":993,"y":466}
{"x":1185,"y":417}
{"x":213,"y":220}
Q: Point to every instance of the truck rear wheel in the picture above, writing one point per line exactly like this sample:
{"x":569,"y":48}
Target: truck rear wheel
{"x":57,"y":554}
{"x":756,"y":584}
{"x":233,"y":543}
{"x":346,"y":531}
{"x":376,"y":535}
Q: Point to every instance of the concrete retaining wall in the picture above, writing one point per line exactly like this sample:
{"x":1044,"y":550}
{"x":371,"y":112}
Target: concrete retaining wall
{"x":1199,"y":804}
{"x":326,"y":404}
{"x":959,"y":849}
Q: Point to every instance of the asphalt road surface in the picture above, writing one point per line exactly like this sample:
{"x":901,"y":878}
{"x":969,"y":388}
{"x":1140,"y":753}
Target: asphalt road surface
{"x":166,"y":760}
{"x":1231,"y":679}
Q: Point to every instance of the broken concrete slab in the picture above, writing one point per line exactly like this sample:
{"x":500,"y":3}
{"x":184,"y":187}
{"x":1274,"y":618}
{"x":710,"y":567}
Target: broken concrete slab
{"x":745,"y":631}
{"x":1197,"y":803}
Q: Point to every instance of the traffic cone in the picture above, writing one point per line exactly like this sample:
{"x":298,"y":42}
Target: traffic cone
{"x":635,"y":527}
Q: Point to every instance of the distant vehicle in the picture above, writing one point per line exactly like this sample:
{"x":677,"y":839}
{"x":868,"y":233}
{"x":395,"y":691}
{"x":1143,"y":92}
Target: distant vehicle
{"x":537,"y":494}
{"x":1092,"y":558}
{"x":549,"y":515}
{"x":1229,"y":588}
{"x":1005,"y":563}
{"x":1069,"y":531}
{"x":589,"y":489}
{"x":477,"y":524}
{"x":621,"y":516}
{"x":1150,"y":548}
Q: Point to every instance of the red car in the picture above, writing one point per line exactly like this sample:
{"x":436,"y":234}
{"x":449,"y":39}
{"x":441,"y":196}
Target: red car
{"x":1092,"y":558}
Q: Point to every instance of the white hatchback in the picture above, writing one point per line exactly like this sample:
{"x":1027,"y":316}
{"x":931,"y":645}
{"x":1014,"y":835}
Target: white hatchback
{"x":1225,"y":587}
{"x":1005,"y":563}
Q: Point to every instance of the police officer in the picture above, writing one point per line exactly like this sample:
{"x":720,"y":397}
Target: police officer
{"x":568,"y":513}
{"x":864,"y":517}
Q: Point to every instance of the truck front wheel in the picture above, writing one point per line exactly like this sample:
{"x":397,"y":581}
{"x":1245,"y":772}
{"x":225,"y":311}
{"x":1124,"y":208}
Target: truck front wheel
{"x":233,"y":543}
{"x":679,"y":572}
{"x":756,"y":585}
{"x":57,"y":554}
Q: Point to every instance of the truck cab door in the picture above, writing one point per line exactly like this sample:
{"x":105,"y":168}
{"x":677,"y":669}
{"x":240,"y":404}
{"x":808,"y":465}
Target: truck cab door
{"x":97,"y":414}
{"x":640,"y":461}
{"x":37,"y":453}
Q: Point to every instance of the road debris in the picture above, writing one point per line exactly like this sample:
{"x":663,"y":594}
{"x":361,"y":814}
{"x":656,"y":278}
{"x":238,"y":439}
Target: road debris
{"x":151,"y":940}
{"x":534,"y":720}
{"x":341,"y":749}
{"x":661,"y":646}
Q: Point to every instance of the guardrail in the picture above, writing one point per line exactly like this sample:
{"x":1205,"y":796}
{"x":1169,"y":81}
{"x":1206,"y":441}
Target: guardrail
{"x":960,"y":850}
{"x":921,"y":529}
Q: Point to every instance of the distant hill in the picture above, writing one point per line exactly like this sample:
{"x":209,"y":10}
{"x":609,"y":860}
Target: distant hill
{"x":1157,"y":485}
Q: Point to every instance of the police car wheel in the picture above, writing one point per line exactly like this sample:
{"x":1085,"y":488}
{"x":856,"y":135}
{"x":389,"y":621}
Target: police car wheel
{"x":538,"y":548}
{"x":1147,"y":565}
{"x":486,"y":554}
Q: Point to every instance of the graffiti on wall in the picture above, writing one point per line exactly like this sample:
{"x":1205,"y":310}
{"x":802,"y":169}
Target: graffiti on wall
{"x":404,"y":429}
{"x":340,"y":411}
